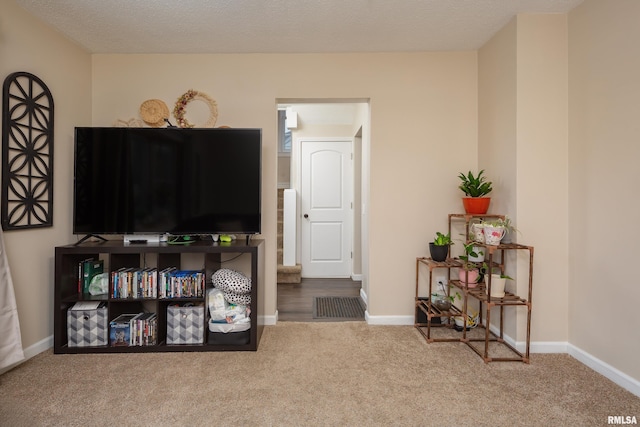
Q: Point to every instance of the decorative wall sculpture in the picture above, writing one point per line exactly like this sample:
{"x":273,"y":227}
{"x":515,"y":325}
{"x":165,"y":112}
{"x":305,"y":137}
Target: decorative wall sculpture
{"x":27,"y":153}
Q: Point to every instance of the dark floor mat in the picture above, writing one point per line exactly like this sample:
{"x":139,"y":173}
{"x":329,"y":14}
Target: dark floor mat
{"x":338,"y":308}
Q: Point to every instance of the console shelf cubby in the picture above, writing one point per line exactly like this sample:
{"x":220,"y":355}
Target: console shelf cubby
{"x":206,"y":255}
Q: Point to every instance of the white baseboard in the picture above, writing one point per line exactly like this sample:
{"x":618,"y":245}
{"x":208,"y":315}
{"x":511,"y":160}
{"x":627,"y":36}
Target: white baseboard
{"x":38,"y":347}
{"x":534,"y":347}
{"x":388,"y":320}
{"x":268,"y":320}
{"x":356,"y":277}
{"x":623,"y":380}
{"x":364,"y":297}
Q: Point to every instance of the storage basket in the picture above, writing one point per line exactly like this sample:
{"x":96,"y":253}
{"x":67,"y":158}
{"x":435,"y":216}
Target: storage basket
{"x":87,"y":328}
{"x":185,"y":324}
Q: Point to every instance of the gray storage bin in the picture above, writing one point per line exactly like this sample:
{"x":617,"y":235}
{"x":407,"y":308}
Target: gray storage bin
{"x":185,"y":325}
{"x":87,"y":328}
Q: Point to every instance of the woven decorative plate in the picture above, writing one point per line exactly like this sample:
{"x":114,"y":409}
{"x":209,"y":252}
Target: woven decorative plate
{"x":154,"y":112}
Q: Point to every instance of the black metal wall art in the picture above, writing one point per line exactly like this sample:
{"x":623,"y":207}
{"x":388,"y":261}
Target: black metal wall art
{"x":27,"y":153}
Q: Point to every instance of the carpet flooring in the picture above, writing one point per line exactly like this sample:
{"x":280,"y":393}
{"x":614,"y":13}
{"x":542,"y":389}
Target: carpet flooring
{"x":311,"y":374}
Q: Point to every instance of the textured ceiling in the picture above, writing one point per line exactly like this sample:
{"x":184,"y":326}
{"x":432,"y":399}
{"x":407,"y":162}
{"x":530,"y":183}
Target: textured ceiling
{"x":287,"y":26}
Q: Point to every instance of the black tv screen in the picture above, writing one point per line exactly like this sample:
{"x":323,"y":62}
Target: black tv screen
{"x":167,"y":180}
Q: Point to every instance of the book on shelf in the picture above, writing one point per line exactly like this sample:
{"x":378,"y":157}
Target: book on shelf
{"x":139,"y":329}
{"x":144,"y":330}
{"x":90,"y":269}
{"x":81,"y":274}
{"x":181,"y":283}
{"x":134,"y":283}
{"x":120,"y":330}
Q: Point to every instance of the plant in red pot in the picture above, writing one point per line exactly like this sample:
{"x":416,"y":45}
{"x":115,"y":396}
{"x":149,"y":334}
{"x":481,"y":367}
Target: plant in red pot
{"x":475,"y":189}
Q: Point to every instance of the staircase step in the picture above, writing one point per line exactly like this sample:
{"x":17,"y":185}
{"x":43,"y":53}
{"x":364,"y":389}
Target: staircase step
{"x":289,"y":268}
{"x":289,"y":274}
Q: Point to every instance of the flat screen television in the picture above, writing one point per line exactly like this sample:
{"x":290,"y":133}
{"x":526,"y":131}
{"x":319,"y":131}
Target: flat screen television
{"x":167,"y":181}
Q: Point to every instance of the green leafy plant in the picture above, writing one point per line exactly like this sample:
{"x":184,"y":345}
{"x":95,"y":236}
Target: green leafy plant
{"x":468,"y":253}
{"x":504,"y":276}
{"x":442,"y":239}
{"x":496,"y":270}
{"x":474,"y":186}
{"x":506,"y":223}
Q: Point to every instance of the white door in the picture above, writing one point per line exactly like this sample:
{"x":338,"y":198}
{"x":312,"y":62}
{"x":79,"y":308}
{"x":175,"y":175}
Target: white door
{"x":326,"y":182}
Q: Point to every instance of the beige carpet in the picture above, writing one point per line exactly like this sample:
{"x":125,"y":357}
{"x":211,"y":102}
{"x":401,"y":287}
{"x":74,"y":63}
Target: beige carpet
{"x":311,"y":374}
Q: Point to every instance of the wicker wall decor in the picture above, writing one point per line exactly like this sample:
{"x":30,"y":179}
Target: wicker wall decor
{"x":27,"y":153}
{"x":180,"y":108}
{"x":154,"y":112}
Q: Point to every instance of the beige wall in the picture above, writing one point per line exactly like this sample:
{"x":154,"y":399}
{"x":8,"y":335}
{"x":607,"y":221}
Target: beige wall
{"x":541,"y":168}
{"x":604,"y":93}
{"x":422,"y":118}
{"x":27,"y":45}
{"x":498,"y":139}
{"x":523,"y":118}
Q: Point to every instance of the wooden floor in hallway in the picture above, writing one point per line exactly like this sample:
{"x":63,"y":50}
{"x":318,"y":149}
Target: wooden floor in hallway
{"x":295,"y":301}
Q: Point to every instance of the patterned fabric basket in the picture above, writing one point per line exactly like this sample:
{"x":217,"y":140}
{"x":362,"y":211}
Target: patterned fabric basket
{"x":185,"y":324}
{"x":87,"y":328}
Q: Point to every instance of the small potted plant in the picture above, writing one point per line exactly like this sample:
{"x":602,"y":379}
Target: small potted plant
{"x":439,"y":248}
{"x":494,"y":231}
{"x":475,"y":188}
{"x":497,"y":282}
{"x":469,"y":274}
{"x":509,"y":229}
{"x":443,"y":301}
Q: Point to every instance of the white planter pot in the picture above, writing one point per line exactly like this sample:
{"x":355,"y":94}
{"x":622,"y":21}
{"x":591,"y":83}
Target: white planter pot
{"x":480,"y":251}
{"x":493,"y":235}
{"x":497,"y":286}
{"x":476,"y":232}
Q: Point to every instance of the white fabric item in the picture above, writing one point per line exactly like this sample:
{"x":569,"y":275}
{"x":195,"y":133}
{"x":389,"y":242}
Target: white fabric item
{"x":225,"y":328}
{"x":10,"y":340}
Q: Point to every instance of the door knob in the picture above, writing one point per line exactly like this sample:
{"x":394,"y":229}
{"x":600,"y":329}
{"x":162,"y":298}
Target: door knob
{"x":306,"y":215}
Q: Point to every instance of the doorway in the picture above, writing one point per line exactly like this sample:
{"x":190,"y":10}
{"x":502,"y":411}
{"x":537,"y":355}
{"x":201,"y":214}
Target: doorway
{"x":331,"y":121}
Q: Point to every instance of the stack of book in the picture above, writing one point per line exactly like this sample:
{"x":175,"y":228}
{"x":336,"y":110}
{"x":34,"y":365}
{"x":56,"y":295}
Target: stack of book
{"x":144,"y":329}
{"x":140,"y":329}
{"x":174,"y":283}
{"x":134,"y":283}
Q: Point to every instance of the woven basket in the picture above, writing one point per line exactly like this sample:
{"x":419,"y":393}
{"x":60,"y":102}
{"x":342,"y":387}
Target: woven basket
{"x":154,"y":112}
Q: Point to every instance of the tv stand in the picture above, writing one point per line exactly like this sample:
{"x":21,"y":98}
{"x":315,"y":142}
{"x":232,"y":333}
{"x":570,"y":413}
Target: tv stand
{"x":89,"y":236}
{"x":205,"y":256}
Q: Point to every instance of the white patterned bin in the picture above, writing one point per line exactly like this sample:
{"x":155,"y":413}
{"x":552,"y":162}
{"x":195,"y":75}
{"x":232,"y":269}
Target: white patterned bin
{"x":185,"y":325}
{"x":87,"y":328}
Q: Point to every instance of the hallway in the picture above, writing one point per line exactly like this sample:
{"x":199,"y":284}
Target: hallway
{"x":295,"y":300}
